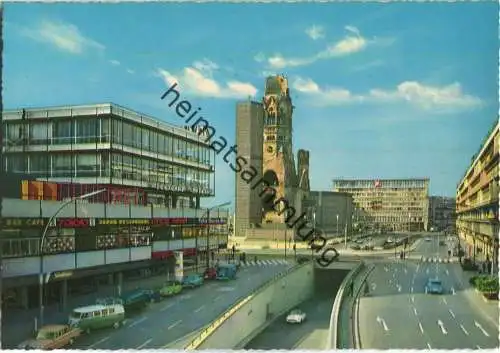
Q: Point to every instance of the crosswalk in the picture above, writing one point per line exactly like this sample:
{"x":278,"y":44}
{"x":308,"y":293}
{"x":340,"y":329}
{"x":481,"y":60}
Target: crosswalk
{"x":269,"y":262}
{"x":438,"y":260}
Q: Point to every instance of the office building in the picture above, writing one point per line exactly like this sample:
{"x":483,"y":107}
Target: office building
{"x":332,"y":212}
{"x":398,"y":205}
{"x":442,"y":215}
{"x":477,"y":201}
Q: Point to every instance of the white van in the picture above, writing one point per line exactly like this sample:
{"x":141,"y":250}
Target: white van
{"x":97,"y":316}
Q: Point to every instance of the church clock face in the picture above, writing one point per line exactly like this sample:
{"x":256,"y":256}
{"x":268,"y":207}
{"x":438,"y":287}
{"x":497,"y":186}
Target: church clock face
{"x":270,"y":149}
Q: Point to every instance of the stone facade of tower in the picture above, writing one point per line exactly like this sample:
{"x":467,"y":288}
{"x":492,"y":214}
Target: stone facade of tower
{"x":303,"y":170}
{"x":278,"y":163}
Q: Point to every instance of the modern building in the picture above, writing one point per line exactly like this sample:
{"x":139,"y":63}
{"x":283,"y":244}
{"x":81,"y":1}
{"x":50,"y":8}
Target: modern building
{"x":399,"y":205}
{"x":249,"y":138}
{"x":477,"y":201}
{"x":442,"y":215}
{"x":147,"y":178}
{"x":331,"y":211}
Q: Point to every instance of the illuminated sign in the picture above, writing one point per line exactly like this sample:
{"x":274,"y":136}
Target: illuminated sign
{"x":168,"y":221}
{"x":24,"y":222}
{"x":73,"y":222}
{"x":123,"y":222}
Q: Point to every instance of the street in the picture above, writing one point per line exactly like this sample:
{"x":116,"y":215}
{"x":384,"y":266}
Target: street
{"x":397,"y":314}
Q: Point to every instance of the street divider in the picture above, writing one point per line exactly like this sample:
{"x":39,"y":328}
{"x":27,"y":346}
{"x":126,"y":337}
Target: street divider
{"x":332,"y":342}
{"x":258,"y":309}
{"x":355,"y":309}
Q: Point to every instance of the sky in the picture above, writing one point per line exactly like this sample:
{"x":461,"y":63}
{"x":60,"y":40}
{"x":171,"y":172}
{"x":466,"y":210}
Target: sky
{"x":393,"y":90}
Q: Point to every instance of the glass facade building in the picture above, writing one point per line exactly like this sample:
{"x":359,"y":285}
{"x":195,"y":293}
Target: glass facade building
{"x":108,"y":144}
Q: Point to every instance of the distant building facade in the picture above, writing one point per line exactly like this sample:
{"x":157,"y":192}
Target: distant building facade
{"x":399,"y":205}
{"x":442,"y":215}
{"x":477,"y":201}
{"x":333,"y":211}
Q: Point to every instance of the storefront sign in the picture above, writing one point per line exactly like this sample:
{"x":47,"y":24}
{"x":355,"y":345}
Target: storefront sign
{"x":62,"y":274}
{"x":168,"y":221}
{"x":73,"y":222}
{"x":123,"y":222}
{"x":24,"y":222}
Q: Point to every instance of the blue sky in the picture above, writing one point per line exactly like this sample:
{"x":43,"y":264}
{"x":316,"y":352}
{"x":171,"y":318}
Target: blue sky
{"x":381,"y":90}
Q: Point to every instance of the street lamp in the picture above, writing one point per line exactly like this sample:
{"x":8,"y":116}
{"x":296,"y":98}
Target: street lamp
{"x":208,"y":229}
{"x":337,"y":224}
{"x":314,"y":228}
{"x":41,"y":250}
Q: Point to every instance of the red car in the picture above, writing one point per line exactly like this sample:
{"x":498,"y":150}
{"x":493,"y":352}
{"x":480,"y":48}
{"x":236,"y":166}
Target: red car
{"x":210,"y":273}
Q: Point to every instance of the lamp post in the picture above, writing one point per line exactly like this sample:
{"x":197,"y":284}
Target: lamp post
{"x":337,"y":224}
{"x":314,"y":228}
{"x":208,"y":229}
{"x":41,"y":249}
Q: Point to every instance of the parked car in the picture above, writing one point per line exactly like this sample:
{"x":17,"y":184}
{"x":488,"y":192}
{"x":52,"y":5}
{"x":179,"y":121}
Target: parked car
{"x":434,"y":286}
{"x":192,"y":281}
{"x":154,"y":295}
{"x":226,"y":272}
{"x":52,"y":337}
{"x":171,"y":288}
{"x":107,"y":314}
{"x":135,"y":300}
{"x":210,"y":273}
{"x":296,"y":316}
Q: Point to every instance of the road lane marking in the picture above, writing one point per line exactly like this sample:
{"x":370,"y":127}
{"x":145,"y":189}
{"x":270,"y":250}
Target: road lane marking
{"x":482,"y":329}
{"x":429,"y":345}
{"x":399,"y":288}
{"x":144,"y":344}
{"x":447,"y":273}
{"x":444,"y":301}
{"x":452,"y":291}
{"x":415,"y":311}
{"x":174,"y":324}
{"x":99,"y":342}
{"x":441,"y":326}
{"x":374,"y":286}
{"x":199,"y":309}
{"x":412,"y":299}
{"x":411,"y":289}
{"x":427,"y":271}
{"x":421,"y":328}
{"x":137,"y":322}
{"x":166,"y":307}
{"x":382,"y":322}
{"x":451,"y":313}
{"x":463,"y":329}
{"x":217,"y":298}
{"x":478,"y":347}
{"x":406,"y":271}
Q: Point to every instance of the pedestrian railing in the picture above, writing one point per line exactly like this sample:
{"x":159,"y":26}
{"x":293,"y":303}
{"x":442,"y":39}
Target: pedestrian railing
{"x":204,"y":334}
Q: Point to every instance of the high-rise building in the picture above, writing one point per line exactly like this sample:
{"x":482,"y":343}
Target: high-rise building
{"x":249,"y":121}
{"x":477,"y":201}
{"x":442,"y":216}
{"x":388,"y":204}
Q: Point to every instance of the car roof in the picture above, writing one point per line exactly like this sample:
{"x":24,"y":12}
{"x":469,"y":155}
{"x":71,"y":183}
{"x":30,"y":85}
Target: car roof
{"x":89,"y":308}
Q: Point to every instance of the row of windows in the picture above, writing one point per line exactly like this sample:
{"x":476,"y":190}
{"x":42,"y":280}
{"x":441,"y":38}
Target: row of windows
{"x":99,"y":130}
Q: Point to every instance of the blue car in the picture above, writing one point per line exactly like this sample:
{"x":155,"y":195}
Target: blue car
{"x":434,"y":286}
{"x":192,"y":281}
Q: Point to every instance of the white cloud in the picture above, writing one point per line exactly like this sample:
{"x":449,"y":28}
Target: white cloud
{"x":352,"y":43}
{"x":64,"y":36}
{"x":438,"y":99}
{"x":205,"y":65}
{"x":193,"y":81}
{"x":130,"y":71}
{"x":114,"y":62}
{"x":260,"y":57}
{"x":315,"y":32}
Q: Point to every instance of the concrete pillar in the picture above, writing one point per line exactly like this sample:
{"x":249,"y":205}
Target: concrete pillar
{"x":110,"y":279}
{"x":23,"y":293}
{"x":197,"y":202}
{"x":64,"y":294}
{"x":119,"y":283}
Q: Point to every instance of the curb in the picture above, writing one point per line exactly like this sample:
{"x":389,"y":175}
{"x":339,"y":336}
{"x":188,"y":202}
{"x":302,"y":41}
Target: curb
{"x":355,"y":311}
{"x":486,"y":300}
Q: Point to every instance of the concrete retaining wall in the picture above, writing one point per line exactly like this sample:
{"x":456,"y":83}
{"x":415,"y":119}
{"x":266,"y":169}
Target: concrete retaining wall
{"x":261,"y":307}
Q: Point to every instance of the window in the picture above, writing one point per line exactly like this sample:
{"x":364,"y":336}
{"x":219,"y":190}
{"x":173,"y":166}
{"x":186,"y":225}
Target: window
{"x":117,"y":131}
{"x":137,"y":143}
{"x":153,"y":141}
{"x":105,"y":167}
{"x":39,"y":164}
{"x":116,"y":165}
{"x":87,"y":164}
{"x":38,"y":133}
{"x":128,"y":136}
{"x":87,"y":130}
{"x":145,"y":170}
{"x":63,"y":165}
{"x":63,"y":132}
{"x":16,"y":164}
{"x":105,"y":129}
{"x":145,"y":139}
{"x":161,"y":144}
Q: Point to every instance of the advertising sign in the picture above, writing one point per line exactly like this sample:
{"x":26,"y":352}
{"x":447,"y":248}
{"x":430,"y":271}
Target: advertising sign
{"x":24,"y":222}
{"x":179,"y":265}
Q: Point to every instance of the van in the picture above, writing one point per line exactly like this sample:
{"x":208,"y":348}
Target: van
{"x":52,"y":337}
{"x":88,"y":318}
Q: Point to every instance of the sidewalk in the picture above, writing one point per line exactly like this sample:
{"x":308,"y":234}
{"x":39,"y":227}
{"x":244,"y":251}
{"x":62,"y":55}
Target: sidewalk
{"x":346,"y":319}
{"x":19,"y":324}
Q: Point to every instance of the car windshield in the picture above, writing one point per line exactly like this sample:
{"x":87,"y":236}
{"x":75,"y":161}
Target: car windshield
{"x":295,"y":312}
{"x":436,"y":283}
{"x":44,"y":335}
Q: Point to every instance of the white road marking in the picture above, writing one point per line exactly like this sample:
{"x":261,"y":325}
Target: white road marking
{"x":427,"y":271}
{"x":441,"y":326}
{"x":411,"y":289}
{"x":481,"y":328}
{"x":451,"y":313}
{"x":217,"y":298}
{"x":174,"y":324}
{"x":421,"y":328}
{"x":478,"y":347}
{"x":452,"y":291}
{"x":415,"y":311}
{"x":406,"y":271}
{"x":448,"y":273}
{"x":137,"y":322}
{"x":399,"y":288}
{"x":429,"y":345}
{"x":385,"y":269}
{"x":412,"y":299}
{"x":444,"y":301}
{"x":374,"y":286}
{"x":382,"y":321}
{"x":199,"y":309}
{"x":144,"y":344}
{"x":463,"y":329}
{"x":166,"y":307}
{"x":99,"y":342}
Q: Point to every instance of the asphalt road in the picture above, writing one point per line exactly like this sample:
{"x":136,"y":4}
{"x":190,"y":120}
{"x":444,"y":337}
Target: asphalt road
{"x":399,"y":315}
{"x":176,"y":317}
{"x":311,"y":334}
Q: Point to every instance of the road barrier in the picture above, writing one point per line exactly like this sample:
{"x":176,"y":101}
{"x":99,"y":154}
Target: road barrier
{"x":217,"y":323}
{"x":332,"y":342}
{"x":355,"y":310}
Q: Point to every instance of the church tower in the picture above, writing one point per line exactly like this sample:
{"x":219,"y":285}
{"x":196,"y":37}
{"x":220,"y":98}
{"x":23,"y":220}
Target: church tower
{"x":277,"y":155}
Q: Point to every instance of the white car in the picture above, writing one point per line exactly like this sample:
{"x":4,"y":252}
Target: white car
{"x":296,"y":317}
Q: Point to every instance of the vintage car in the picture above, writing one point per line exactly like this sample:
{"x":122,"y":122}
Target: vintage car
{"x":434,"y":286}
{"x":296,"y":316}
{"x":171,"y":288}
{"x":192,"y":281}
{"x":52,"y":337}
{"x":210,"y":273}
{"x":102,"y":315}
